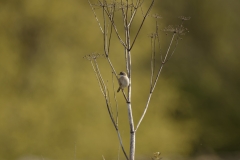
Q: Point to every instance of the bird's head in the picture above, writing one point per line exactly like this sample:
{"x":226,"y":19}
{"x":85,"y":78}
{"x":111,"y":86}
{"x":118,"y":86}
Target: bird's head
{"x":122,"y":74}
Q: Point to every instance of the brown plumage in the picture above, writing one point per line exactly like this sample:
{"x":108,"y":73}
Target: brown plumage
{"x":123,"y":81}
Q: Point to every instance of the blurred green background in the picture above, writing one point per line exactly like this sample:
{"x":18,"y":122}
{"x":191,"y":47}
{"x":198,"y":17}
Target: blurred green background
{"x":51,"y":106}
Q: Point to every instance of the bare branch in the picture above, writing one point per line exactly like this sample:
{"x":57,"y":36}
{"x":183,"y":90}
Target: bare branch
{"x":179,"y":30}
{"x":111,"y":28}
{"x":115,"y":98}
{"x":164,"y":61}
{"x":173,"y":50}
{"x":144,"y":18}
{"x":153,"y":39}
{"x":120,"y":140}
{"x":116,"y":128}
{"x":107,"y":46}
{"x":138,"y":4}
{"x":103,"y":157}
{"x":111,"y":65}
{"x":123,"y":14}
{"x":127,"y":101}
{"x":104,"y":89}
{"x":104,"y":33}
{"x":144,"y":112}
{"x":113,"y":24}
{"x":99,"y":82}
{"x":154,"y":85}
{"x":107,"y":100}
{"x":95,"y":16}
{"x":93,"y":59}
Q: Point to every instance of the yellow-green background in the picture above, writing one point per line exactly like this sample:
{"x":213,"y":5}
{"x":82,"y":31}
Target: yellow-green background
{"x":51,"y":106}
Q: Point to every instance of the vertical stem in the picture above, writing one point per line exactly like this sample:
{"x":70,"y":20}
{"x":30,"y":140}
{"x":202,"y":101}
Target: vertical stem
{"x":130,"y":116}
{"x":132,"y":134}
{"x":128,"y":68}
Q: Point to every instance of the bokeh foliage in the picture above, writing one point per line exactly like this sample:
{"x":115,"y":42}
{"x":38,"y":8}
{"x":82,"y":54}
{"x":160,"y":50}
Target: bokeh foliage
{"x":50,"y":103}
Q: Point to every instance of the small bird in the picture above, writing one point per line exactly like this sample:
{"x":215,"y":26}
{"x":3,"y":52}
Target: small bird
{"x":123,"y":81}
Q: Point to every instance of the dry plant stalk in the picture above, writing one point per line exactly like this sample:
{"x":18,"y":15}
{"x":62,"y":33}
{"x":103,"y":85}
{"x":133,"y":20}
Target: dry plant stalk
{"x":128,"y":9}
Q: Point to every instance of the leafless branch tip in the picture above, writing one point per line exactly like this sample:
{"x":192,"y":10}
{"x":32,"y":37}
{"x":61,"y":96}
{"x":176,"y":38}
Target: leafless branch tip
{"x":183,"y":18}
{"x":156,"y":16}
{"x":179,"y":29}
{"x":93,"y":56}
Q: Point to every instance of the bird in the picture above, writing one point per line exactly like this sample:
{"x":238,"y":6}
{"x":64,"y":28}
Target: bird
{"x":123,"y":81}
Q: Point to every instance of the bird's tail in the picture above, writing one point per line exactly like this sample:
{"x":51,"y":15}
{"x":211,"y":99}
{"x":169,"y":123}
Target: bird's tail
{"x":118,"y":89}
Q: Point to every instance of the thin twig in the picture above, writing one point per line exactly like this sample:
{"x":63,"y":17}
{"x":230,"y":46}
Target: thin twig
{"x":103,"y":157}
{"x":123,"y":13}
{"x":75,"y":151}
{"x":114,"y":71}
{"x":173,"y":50}
{"x":104,"y":33}
{"x":95,"y":15}
{"x":111,"y":28}
{"x":144,"y":18}
{"x":121,"y":143}
{"x":125,"y":96}
{"x":126,"y":20}
{"x":164,"y":61}
{"x":155,"y":83}
{"x":100,"y":77}
{"x":100,"y":85}
{"x":106,"y":49}
{"x":118,"y":152}
{"x":114,"y":26}
{"x":115,"y":98}
{"x":134,"y":12}
{"x":144,"y":112}
{"x":152,"y":59}
{"x":107,"y":100}
{"x":116,"y":128}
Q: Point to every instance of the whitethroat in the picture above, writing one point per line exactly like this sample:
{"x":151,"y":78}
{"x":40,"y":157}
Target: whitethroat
{"x":123,"y":81}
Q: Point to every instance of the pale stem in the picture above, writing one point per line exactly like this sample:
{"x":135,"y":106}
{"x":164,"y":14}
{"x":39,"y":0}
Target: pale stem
{"x":154,"y":84}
